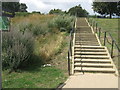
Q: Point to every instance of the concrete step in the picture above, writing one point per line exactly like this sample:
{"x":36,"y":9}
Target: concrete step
{"x":92,"y":56}
{"x":89,"y":50}
{"x":101,"y":70}
{"x":92,"y":43}
{"x":80,"y":41}
{"x":92,"y":60}
{"x":90,"y":53}
{"x":89,"y":47}
{"x":97,"y":65}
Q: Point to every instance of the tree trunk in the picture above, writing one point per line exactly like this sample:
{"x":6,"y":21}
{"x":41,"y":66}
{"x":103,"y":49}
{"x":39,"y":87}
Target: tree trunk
{"x":110,"y":15}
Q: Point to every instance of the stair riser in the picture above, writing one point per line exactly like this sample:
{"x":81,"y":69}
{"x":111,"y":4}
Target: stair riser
{"x":107,"y":62}
{"x":93,"y":66}
{"x":90,"y":57}
{"x":89,"y":48}
{"x":89,"y":54}
{"x":89,"y":51}
{"x":94,"y":71}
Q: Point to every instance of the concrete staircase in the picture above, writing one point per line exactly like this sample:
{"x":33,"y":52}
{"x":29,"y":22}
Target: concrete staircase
{"x":88,"y":54}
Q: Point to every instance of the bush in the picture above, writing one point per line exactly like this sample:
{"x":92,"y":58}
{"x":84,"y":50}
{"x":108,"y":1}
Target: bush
{"x":62,"y":23}
{"x":22,"y":14}
{"x":17,"y":48}
{"x":35,"y":28}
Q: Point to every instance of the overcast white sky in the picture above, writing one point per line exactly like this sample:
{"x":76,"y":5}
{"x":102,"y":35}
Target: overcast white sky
{"x":45,"y":6}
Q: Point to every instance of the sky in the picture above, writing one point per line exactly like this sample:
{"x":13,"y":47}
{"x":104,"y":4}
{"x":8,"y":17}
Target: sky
{"x":45,"y":6}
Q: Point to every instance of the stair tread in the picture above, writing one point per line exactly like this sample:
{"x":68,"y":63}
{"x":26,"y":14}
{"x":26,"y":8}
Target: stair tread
{"x":89,"y":46}
{"x":94,"y":69}
{"x":90,"y":49}
{"x":93,"y":64}
{"x":90,"y":56}
{"x":91,"y":53}
{"x":92,"y":60}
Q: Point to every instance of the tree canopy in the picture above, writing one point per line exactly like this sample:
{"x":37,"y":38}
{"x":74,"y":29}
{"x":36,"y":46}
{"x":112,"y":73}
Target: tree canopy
{"x":56,"y":11}
{"x":15,"y":6}
{"x":78,"y":11}
{"x":106,"y":8}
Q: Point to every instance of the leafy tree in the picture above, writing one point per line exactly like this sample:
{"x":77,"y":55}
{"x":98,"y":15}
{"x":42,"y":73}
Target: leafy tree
{"x":78,"y":11}
{"x":105,"y":8}
{"x":55,"y":11}
{"x":36,"y":12}
{"x":23,"y":7}
{"x":13,"y":6}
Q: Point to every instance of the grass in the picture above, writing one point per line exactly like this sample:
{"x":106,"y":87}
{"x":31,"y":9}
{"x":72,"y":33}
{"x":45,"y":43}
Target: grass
{"x":110,"y":25}
{"x":50,"y":48}
{"x":45,"y":77}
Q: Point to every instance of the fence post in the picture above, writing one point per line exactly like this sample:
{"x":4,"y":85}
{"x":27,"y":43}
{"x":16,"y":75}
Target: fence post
{"x":99,"y":32}
{"x":104,"y":38}
{"x":68,"y":63}
{"x":112,"y":48}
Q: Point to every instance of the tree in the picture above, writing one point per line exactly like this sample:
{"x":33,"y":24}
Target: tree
{"x":23,"y":7}
{"x":36,"y":12}
{"x":13,"y":6}
{"x":78,"y":11}
{"x":55,"y":11}
{"x":105,"y":8}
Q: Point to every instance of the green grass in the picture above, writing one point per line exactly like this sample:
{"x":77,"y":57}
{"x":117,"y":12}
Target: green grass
{"x":45,"y":77}
{"x":110,"y":25}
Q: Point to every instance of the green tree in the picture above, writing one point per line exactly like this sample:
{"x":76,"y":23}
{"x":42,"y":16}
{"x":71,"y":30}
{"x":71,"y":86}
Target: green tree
{"x":78,"y":11}
{"x":105,"y":8}
{"x":13,"y":6}
{"x":56,"y":11}
{"x":23,"y":7}
{"x":36,"y":12}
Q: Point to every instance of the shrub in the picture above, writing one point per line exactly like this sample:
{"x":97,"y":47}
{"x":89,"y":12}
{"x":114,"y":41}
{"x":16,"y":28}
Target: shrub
{"x":22,"y":14}
{"x":17,"y":48}
{"x":62,"y":23}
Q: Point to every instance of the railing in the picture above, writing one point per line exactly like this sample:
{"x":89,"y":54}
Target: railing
{"x":70,"y":49}
{"x":106,"y":36}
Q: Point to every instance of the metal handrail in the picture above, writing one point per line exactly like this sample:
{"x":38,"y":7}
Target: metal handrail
{"x":70,"y":48}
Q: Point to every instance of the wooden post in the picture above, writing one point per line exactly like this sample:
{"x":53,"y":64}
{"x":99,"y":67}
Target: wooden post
{"x":104,"y":38}
{"x":112,"y":48}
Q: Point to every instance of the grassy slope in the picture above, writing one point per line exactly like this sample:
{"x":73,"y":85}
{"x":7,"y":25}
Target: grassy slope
{"x":53,"y":49}
{"x":111,"y":25}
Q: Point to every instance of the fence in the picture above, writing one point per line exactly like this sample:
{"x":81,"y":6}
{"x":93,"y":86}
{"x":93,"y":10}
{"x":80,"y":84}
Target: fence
{"x":105,"y":37}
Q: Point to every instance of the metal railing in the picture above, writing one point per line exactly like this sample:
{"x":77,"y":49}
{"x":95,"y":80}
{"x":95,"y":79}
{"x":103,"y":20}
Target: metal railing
{"x":70,"y":48}
{"x":106,"y":34}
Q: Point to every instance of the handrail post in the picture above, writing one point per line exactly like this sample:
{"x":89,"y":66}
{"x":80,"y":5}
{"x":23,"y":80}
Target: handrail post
{"x":104,"y":38}
{"x":96,"y":27}
{"x":112,"y":48}
{"x":99,"y":32}
{"x":68,"y":63}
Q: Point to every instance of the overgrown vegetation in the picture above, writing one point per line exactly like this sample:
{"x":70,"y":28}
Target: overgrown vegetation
{"x":41,"y":38}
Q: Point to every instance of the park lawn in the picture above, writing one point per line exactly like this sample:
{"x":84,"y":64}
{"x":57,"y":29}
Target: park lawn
{"x":34,"y":77}
{"x":110,"y":25}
